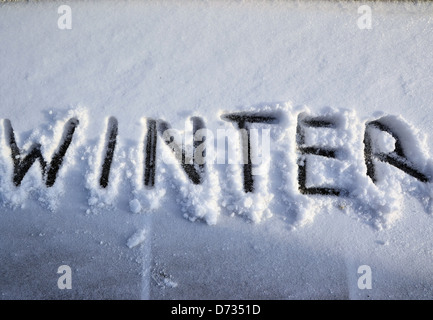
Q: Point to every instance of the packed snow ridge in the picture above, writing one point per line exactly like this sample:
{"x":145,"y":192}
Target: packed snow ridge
{"x":258,"y":161}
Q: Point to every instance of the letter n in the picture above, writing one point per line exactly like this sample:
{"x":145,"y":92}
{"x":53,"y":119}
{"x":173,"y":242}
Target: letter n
{"x":194,"y":170}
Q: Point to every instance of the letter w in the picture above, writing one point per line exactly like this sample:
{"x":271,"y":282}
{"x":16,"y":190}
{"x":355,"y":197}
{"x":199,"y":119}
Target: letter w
{"x":22,"y":163}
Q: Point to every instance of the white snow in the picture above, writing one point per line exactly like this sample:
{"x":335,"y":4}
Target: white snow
{"x":172,"y":61}
{"x":136,"y":239}
{"x":135,"y":206}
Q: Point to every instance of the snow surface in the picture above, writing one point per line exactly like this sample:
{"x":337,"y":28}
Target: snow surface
{"x":178,"y":240}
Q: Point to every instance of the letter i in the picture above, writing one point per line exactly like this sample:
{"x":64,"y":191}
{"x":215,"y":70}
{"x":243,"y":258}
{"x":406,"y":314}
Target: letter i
{"x":111,"y":139}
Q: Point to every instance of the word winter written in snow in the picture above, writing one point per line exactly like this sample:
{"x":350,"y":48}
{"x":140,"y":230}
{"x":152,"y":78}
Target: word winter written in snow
{"x":193,"y":160}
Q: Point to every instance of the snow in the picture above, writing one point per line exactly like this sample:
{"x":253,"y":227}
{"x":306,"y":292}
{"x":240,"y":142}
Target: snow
{"x":135,"y":206}
{"x":136,"y":238}
{"x":123,"y":64}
